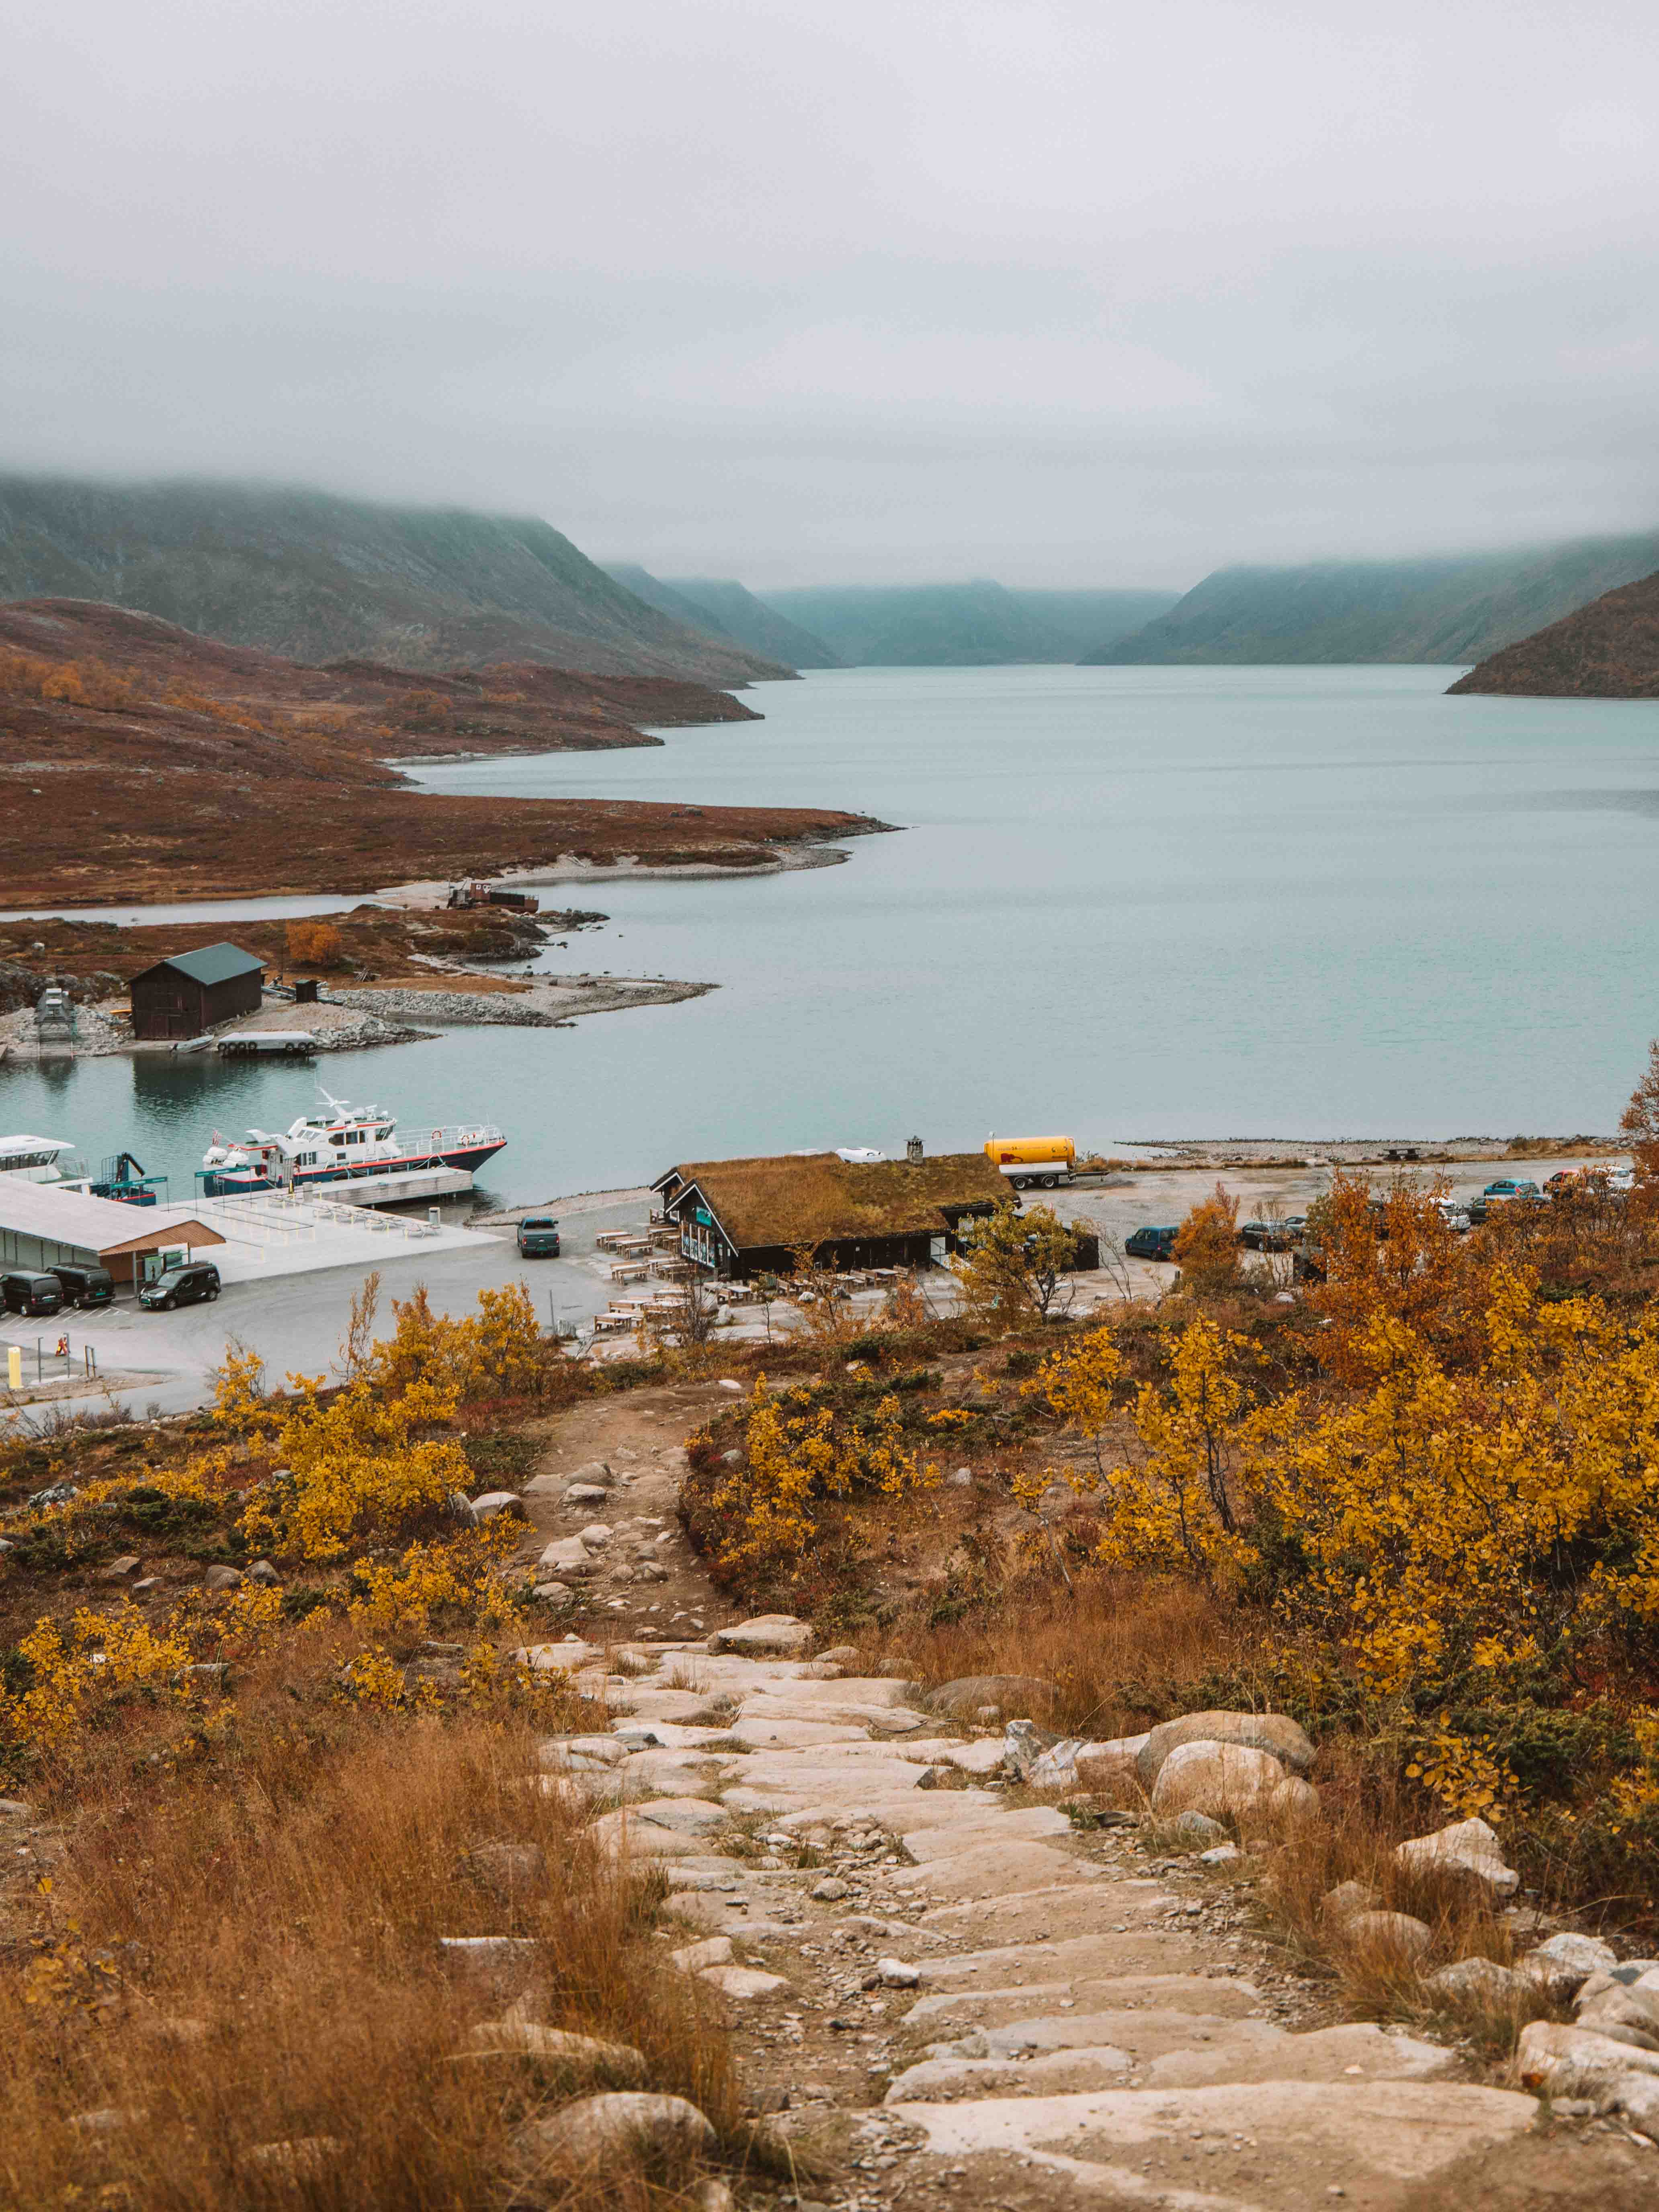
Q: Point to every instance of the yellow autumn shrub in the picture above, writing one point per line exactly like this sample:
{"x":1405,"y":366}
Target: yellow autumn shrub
{"x":352,"y":1460}
{"x":797,"y":1453}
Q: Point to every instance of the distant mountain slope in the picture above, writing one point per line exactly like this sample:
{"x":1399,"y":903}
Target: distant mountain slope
{"x":736,"y":612}
{"x":877,"y":626}
{"x":1607,"y":650}
{"x":976,"y":625}
{"x":723,"y":609}
{"x":313,"y":577}
{"x":1383,"y":610}
{"x":1088,"y":621}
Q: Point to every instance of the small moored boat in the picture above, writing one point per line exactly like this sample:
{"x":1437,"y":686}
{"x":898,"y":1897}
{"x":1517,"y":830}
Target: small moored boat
{"x":339,"y":1143}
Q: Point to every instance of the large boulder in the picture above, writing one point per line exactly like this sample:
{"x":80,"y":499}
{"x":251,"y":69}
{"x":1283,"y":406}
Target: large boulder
{"x":1468,"y":1850}
{"x":968,"y":1695}
{"x":1271,"y":1732}
{"x":594,"y":2129}
{"x":1575,"y":2061}
{"x":767,"y":1636}
{"x":1228,"y":1781}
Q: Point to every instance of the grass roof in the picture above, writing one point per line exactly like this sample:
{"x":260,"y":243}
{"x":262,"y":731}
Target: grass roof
{"x":818,"y":1197}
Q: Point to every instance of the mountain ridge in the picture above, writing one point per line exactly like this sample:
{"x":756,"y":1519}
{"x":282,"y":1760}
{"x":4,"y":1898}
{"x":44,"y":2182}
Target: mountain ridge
{"x":1450,"y":609}
{"x":315,"y":577}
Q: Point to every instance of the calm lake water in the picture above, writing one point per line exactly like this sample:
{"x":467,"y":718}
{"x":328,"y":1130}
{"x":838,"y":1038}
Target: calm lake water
{"x":1128,"y":904}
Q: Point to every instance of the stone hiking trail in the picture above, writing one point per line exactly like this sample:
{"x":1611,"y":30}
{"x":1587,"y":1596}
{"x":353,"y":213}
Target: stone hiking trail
{"x":962,"y":1997}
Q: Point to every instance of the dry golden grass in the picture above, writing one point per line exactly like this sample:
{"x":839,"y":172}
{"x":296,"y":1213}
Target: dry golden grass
{"x":245,"y":1953}
{"x":1094,"y":1645}
{"x":1363,"y":1820}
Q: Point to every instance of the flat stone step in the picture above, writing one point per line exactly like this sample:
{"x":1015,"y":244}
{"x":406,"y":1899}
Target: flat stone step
{"x":1272,"y":2144}
{"x":985,"y":1870}
{"x":1148,"y":1996}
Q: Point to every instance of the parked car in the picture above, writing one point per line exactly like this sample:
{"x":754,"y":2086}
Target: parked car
{"x":1151,"y":1243}
{"x":1454,"y":1213}
{"x":25,"y":1292}
{"x":186,"y":1285}
{"x":538,"y":1237}
{"x":1514,"y":1194}
{"x":85,"y":1286}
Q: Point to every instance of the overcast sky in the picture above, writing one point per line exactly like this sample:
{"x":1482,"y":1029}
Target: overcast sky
{"x":1058,"y":291}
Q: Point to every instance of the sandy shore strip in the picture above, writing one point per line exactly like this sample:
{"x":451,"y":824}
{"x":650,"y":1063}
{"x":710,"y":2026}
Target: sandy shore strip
{"x":570,"y":868}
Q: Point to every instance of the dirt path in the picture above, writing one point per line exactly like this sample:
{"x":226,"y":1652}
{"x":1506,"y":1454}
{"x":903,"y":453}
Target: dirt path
{"x":942,"y":1992}
{"x":616,"y":1465}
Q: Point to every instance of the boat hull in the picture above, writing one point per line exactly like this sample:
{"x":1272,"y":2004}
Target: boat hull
{"x":244,"y":1181}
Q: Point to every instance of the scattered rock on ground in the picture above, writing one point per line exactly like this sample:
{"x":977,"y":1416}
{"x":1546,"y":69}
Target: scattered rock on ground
{"x":1199,"y":1828}
{"x":587,"y":2054}
{"x":1565,"y":1962}
{"x":1467,"y":1848}
{"x":768,"y":1635}
{"x":492,"y":1502}
{"x":1479,"y":1981}
{"x":1347,"y":1898}
{"x":1399,"y":1933}
{"x":222,"y":1578}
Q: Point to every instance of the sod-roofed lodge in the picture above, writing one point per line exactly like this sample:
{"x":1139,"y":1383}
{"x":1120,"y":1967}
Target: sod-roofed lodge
{"x":752,"y":1216}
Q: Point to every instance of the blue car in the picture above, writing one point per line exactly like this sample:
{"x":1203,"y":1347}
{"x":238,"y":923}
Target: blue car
{"x":1152,"y":1244}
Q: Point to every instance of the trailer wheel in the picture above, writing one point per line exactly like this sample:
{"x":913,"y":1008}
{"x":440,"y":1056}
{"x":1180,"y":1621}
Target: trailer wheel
{"x":1048,"y":1182}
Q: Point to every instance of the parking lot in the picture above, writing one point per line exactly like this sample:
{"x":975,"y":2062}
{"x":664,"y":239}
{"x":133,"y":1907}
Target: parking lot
{"x":295,"y":1320}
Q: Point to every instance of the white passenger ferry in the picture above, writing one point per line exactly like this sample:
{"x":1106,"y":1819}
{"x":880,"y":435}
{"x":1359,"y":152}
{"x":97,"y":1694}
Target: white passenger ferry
{"x":338,"y":1143}
{"x":40,"y":1160}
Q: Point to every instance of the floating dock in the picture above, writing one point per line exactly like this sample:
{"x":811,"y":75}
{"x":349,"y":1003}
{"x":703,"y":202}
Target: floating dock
{"x":410,"y":1186}
{"x":291,"y":1044}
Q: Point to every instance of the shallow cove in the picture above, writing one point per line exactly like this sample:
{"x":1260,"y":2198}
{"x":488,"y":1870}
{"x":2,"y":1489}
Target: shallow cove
{"x":1130,"y":903}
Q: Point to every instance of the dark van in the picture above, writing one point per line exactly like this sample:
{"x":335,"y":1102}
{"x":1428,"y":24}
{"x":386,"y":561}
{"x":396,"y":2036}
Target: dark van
{"x":538,"y":1237}
{"x":85,"y":1286}
{"x":1152,"y":1244}
{"x":181,"y":1286}
{"x":27,"y":1292}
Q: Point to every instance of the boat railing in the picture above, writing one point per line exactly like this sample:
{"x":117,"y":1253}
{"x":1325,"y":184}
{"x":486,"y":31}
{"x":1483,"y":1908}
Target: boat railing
{"x":447,"y":1139}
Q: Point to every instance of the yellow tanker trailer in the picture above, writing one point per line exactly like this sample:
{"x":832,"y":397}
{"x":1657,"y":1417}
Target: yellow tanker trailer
{"x":1028,"y":1161}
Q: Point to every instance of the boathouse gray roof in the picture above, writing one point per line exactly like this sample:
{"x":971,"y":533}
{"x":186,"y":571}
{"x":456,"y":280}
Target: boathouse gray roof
{"x":213,"y":963}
